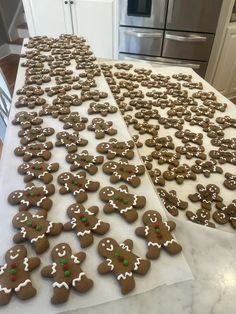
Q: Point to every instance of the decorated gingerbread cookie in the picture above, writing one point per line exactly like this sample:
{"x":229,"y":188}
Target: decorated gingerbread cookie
{"x":66,"y":273}
{"x":74,"y":121}
{"x":101,"y":127}
{"x":29,"y":101}
{"x":224,"y":143}
{"x":77,"y":184}
{"x":35,"y":229}
{"x":160,"y":142}
{"x":206,"y":195}
{"x":114,"y":148}
{"x":157,"y":234}
{"x":223,"y":156}
{"x":121,"y":201}
{"x":147,"y":128}
{"x":54,"y":110}
{"x":225,"y":214}
{"x":84,"y":161}
{"x":32,"y":151}
{"x":191,"y":151}
{"x":172,"y":123}
{"x":32,"y":196}
{"x":164,"y":156}
{"x":226,"y":122}
{"x":122,"y":262}
{"x":171,"y":202}
{"x":85,"y":223}
{"x":15,"y":275}
{"x":38,"y":170}
{"x":230,"y":181}
{"x":27,"y":119}
{"x":123,"y":171}
{"x":187,"y":136}
{"x":101,"y":108}
{"x":34,"y":134}
{"x":70,"y":140}
{"x":201,"y":217}
{"x":156,"y":177}
{"x":206,"y":167}
{"x":179,"y":173}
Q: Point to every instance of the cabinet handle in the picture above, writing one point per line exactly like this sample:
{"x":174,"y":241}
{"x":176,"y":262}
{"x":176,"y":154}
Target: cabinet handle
{"x":141,"y":34}
{"x":191,"y":38}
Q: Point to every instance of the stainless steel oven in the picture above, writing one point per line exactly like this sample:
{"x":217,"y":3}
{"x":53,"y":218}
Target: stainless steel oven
{"x":174,"y":30}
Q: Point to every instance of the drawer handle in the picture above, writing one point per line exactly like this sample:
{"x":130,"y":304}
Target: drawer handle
{"x":191,"y":38}
{"x":186,"y":65}
{"x":143,"y":35}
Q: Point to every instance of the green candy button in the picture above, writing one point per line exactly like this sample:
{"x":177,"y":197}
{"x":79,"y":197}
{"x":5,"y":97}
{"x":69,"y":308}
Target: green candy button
{"x":63,"y":261}
{"x":13,"y":271}
{"x":67,"y":273}
{"x":29,"y":223}
{"x":125,"y":262}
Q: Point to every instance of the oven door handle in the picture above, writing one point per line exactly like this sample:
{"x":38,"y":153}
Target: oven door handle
{"x":142,"y":34}
{"x":190,"y":39}
{"x":171,"y":63}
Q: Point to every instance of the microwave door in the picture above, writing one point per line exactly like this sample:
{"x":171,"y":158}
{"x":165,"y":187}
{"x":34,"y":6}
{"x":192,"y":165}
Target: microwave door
{"x":143,"y":13}
{"x":193,"y":15}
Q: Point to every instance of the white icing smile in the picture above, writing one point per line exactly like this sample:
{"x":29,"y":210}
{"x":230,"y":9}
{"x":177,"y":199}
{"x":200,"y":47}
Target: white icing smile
{"x":110,"y":248}
{"x":14,"y":256}
{"x":62,"y":254}
{"x":153,"y":220}
{"x":24,"y":220}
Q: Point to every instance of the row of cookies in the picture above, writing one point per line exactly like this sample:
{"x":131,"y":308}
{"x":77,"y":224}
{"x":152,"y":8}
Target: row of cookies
{"x":175,"y":109}
{"x":34,"y":227}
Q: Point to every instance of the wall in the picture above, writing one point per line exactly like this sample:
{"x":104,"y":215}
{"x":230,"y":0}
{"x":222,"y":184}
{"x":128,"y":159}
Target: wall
{"x":3,"y":36}
{"x":8,"y":9}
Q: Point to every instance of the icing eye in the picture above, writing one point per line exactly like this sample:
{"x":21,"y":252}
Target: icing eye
{"x":11,"y":251}
{"x":18,"y":251}
{"x":17,"y":218}
{"x":103,"y":244}
{"x":149,"y":215}
{"x":57,"y":250}
{"x":63,"y":247}
{"x":108,"y":241}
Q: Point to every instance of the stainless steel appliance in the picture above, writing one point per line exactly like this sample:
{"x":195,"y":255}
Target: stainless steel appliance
{"x":179,"y":32}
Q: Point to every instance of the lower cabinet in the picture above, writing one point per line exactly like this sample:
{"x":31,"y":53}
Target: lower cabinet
{"x":225,"y":75}
{"x":94,"y":19}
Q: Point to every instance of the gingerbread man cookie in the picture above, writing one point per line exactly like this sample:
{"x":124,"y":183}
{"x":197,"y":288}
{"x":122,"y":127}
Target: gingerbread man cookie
{"x":101,"y":128}
{"x":85,"y":223}
{"x":74,"y":121}
{"x":114,"y":148}
{"x":32,"y":196}
{"x":201,"y":217}
{"x":66,"y":272}
{"x":84,"y":161}
{"x":33,"y":150}
{"x":157,"y":234}
{"x":147,"y":128}
{"x":179,"y":173}
{"x":224,"y":143}
{"x":191,"y":151}
{"x":102,"y":109}
{"x":54,"y":110}
{"x":206,"y":167}
{"x":27,"y":119}
{"x":31,"y":102}
{"x":156,"y":177}
{"x":160,"y":142}
{"x":225,"y":214}
{"x":171,"y":202}
{"x":35,"y":229}
{"x":38,"y":170}
{"x":187,"y":136}
{"x":226,"y":122}
{"x":77,"y":184}
{"x":15,"y":275}
{"x":34,"y":134}
{"x":147,"y":115}
{"x":206,"y":195}
{"x":121,"y":201}
{"x":70,"y":140}
{"x":164,"y":156}
{"x":172,"y":123}
{"x":230,"y":181}
{"x":121,"y":261}
{"x":123,"y":171}
{"x":223,"y":156}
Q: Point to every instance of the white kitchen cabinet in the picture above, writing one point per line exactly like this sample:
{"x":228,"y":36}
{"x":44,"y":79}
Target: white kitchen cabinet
{"x":225,"y":75}
{"x":94,"y":19}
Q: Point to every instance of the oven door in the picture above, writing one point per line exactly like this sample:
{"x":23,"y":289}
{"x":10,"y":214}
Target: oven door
{"x":198,"y":66}
{"x":141,"y":41}
{"x":143,"y":13}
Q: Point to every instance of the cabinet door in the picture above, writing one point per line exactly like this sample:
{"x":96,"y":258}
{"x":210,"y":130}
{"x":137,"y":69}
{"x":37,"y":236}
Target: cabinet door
{"x":94,"y":19}
{"x":50,"y":18}
{"x":224,"y":79}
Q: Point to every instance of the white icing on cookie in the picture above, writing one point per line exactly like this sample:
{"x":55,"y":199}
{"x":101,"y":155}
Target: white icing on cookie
{"x":137,"y":263}
{"x":77,"y":279}
{"x":60,"y":285}
{"x":5,"y":290}
{"x":109,"y":263}
{"x":54,"y":265}
{"x":124,"y":276}
{"x":26,"y":263}
{"x":23,"y":284}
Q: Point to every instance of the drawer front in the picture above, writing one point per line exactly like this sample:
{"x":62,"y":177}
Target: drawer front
{"x":141,"y":41}
{"x":184,"y":45}
{"x":198,"y":66}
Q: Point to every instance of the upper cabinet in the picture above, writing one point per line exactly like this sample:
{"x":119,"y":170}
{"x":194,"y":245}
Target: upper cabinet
{"x":94,"y":19}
